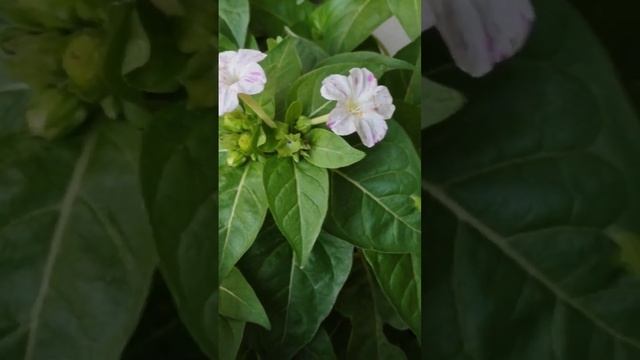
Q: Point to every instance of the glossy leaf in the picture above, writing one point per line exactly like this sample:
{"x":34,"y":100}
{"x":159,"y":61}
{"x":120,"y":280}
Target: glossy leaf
{"x":522,"y":204}
{"x":371,"y":203}
{"x":297,"y":194}
{"x":177,"y":158}
{"x":76,"y":250}
{"x":242,"y":205}
{"x":238,"y":301}
{"x":296,"y":299}
{"x":358,"y":303}
{"x":399,"y":281}
{"x":282,"y":67}
{"x":330,"y":151}
{"x":346,"y":24}
{"x":235,"y":13}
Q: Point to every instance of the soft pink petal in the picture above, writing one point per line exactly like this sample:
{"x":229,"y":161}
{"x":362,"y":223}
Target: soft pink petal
{"x":246,"y":56}
{"x":341,"y":122}
{"x":335,"y":87}
{"x":227,"y":100}
{"x":252,"y":79}
{"x":383,"y":102}
{"x":225,"y":58}
{"x":362,"y":82}
{"x":372,"y":128}
{"x":481,"y":33}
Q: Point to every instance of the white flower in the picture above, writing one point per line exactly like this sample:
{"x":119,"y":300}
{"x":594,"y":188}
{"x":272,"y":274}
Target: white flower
{"x":480,"y":33}
{"x":362,"y":105}
{"x":238,"y":73}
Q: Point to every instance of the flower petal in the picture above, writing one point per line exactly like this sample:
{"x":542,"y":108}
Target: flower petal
{"x":227,"y":99}
{"x":371,"y":128}
{"x":383,"y":102}
{"x":341,"y":122}
{"x":362,"y":82}
{"x":251,"y":79}
{"x":335,"y":87}
{"x":225,"y":58}
{"x":247,"y":56}
{"x":481,"y":33}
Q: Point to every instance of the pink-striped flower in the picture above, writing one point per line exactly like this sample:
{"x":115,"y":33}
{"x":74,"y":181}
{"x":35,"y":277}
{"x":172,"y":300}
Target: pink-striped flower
{"x":238,"y":73}
{"x":480,"y":33}
{"x":362,"y":106}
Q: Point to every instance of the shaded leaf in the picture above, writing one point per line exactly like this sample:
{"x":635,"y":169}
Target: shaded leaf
{"x":296,"y":299}
{"x":238,"y":301}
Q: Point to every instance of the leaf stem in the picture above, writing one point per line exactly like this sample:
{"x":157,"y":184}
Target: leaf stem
{"x":250,"y":102}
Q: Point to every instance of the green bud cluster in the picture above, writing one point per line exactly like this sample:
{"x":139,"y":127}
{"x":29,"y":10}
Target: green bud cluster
{"x":241,"y":135}
{"x":98,"y":54}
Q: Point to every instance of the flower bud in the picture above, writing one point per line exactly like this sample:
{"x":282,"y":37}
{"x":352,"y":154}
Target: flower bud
{"x":235,"y":158}
{"x":303,"y":124}
{"x":290,"y":145}
{"x":82,"y":61}
{"x":34,"y":58}
{"x":245,"y":143}
{"x":54,"y":113}
{"x":233,"y":121}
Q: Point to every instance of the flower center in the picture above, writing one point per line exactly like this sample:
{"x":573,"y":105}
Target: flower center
{"x":354,"y":108}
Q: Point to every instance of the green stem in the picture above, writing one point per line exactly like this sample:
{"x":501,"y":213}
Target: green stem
{"x":250,"y":102}
{"x":320,"y":119}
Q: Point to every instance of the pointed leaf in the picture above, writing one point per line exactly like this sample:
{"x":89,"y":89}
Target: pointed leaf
{"x":76,"y":250}
{"x":179,"y":182}
{"x":297,"y":193}
{"x":242,"y":205}
{"x":330,"y":151}
{"x":238,"y":301}
{"x":371,"y":201}
{"x":297,"y":300}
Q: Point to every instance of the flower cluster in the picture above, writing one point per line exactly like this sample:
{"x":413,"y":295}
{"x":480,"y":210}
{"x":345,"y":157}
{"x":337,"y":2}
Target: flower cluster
{"x":362,"y":106}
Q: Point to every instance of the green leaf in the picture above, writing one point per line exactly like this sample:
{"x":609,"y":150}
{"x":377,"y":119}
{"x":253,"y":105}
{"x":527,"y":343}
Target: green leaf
{"x":343,"y":25}
{"x":399,"y":281}
{"x":296,"y":299}
{"x":138,"y":49}
{"x":524,"y":186}
{"x":231,"y":333}
{"x":357,"y":301}
{"x":282,"y":67}
{"x":161,"y":73}
{"x":179,"y":180}
{"x":330,"y":151}
{"x":238,"y":301}
{"x":242,"y":205}
{"x":371,"y":201}
{"x":13,"y":104}
{"x":438,"y":102}
{"x":320,"y":348}
{"x":409,"y":13}
{"x":307,"y":88}
{"x":77,"y":252}
{"x":297,"y":194}
{"x":235,"y":13}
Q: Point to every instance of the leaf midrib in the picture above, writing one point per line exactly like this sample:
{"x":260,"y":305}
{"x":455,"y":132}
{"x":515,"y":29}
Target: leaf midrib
{"x":500,"y":241}
{"x":66,"y":207}
{"x":233,"y":211}
{"x":378,"y":201}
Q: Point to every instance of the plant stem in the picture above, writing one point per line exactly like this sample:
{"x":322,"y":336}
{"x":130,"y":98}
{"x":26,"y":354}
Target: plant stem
{"x":320,"y":119}
{"x":250,"y":102}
